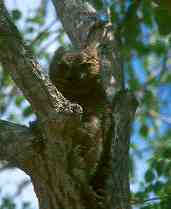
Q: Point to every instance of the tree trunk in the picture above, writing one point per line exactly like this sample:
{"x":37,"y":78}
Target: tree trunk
{"x":73,"y":163}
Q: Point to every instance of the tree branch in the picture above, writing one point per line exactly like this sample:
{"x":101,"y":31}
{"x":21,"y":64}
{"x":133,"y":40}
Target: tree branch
{"x":77,"y":18}
{"x":130,"y":14}
{"x":15,"y":143}
{"x":26,"y":72}
{"x":82,"y":24}
{"x":62,"y":167}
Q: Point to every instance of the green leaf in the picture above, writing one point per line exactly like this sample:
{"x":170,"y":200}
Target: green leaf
{"x":149,"y":188}
{"x":99,"y":4}
{"x":30,"y":30}
{"x":159,"y":166}
{"x":26,"y":205}
{"x":6,"y":79}
{"x":167,"y":78}
{"x":134,"y":84}
{"x":149,"y":176}
{"x":131,"y":35}
{"x":163,"y":19}
{"x":16,"y":14}
{"x":167,"y":153}
{"x":113,"y":13}
{"x":37,"y":19}
{"x":147,"y":12}
{"x":144,"y":131}
{"x":141,"y":48}
{"x":27,"y":111}
{"x":8,"y":203}
{"x":158,"y":47}
{"x":19,"y":100}
{"x":158,"y":186}
{"x":148,"y":98}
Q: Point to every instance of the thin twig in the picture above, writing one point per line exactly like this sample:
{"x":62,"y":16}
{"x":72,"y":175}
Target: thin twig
{"x":38,"y":37}
{"x":144,"y":201}
{"x":131,"y":11}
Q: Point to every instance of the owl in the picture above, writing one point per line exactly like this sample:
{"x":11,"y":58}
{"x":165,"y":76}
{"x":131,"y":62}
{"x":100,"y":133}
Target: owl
{"x":77,"y":76}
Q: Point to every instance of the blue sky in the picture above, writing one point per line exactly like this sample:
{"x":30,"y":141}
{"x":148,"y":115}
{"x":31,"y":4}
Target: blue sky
{"x":9,"y":180}
{"x":9,"y":184}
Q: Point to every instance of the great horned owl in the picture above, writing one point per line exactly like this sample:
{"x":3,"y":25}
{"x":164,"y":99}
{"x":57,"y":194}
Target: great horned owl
{"x":77,"y":76}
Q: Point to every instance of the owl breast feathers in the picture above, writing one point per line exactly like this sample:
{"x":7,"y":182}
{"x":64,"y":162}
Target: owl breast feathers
{"x":77,"y":76}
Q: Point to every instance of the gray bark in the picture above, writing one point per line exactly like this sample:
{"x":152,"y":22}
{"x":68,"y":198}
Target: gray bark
{"x":80,"y":21}
{"x":26,"y":72}
{"x":64,"y":173}
{"x":16,"y":143}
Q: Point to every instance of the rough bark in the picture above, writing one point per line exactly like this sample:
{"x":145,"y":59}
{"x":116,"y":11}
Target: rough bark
{"x":26,"y":72}
{"x":16,"y":143}
{"x":72,"y":164}
{"x":83,"y":27}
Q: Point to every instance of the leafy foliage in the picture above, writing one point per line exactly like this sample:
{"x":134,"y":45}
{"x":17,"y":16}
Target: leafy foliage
{"x":145,"y":33}
{"x":7,"y":203}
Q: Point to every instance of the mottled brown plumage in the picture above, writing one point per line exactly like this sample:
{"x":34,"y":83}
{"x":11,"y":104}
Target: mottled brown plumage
{"x":77,"y":76}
